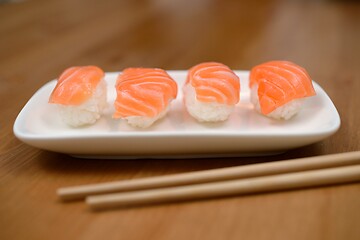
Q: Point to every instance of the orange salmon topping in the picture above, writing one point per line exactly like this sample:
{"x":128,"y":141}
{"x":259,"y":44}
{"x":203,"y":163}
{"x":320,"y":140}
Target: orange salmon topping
{"x":279,"y":82}
{"x":76,"y":85}
{"x":214,"y":82}
{"x":143,"y":92}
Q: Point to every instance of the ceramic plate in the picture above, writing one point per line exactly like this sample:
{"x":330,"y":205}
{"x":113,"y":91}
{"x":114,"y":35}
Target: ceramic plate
{"x":177,"y":135}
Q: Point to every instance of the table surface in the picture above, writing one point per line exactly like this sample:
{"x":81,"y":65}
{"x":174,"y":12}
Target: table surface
{"x":40,"y":38}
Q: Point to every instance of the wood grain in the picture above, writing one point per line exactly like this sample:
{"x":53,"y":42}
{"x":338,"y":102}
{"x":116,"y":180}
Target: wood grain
{"x":39,"y":38}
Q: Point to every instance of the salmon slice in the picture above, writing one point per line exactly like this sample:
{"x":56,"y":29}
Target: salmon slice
{"x":143,"y":92}
{"x":214,"y":82}
{"x":279,"y":82}
{"x":76,"y":85}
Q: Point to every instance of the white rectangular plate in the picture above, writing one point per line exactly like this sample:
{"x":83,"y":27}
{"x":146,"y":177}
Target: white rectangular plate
{"x":177,"y":135}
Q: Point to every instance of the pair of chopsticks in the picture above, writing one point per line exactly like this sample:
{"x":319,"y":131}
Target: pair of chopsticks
{"x":231,"y":181}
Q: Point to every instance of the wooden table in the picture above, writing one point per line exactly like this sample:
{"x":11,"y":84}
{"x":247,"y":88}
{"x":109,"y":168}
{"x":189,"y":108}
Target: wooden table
{"x":40,"y":38}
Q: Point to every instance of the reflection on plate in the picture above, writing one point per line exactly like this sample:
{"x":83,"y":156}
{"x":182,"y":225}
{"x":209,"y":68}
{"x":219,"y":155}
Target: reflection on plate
{"x":177,"y":135}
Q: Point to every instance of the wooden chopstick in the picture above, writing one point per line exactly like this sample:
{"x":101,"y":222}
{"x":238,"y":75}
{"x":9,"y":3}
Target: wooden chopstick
{"x":249,"y":171}
{"x":228,"y":188}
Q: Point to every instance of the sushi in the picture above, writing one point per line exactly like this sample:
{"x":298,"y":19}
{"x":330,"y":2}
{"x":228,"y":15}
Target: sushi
{"x":80,"y":94}
{"x":143,"y":95}
{"x":211,"y":92}
{"x":278,"y":88}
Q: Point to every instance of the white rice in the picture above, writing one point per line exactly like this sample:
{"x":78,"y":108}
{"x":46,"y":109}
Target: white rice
{"x":144,"y":122}
{"x":204,"y":111}
{"x":88,"y":112}
{"x":284,"y":112}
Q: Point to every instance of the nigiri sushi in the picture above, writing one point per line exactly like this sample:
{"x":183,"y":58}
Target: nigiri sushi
{"x":143,"y":95}
{"x":278,"y":88}
{"x":80,"y":94}
{"x":211,"y":91}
